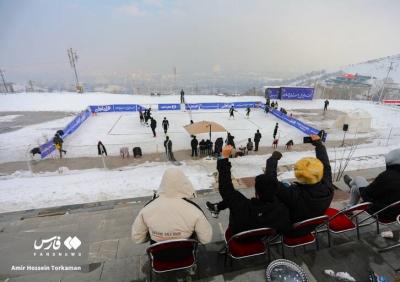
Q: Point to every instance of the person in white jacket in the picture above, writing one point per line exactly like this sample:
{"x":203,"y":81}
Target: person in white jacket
{"x":172,"y":215}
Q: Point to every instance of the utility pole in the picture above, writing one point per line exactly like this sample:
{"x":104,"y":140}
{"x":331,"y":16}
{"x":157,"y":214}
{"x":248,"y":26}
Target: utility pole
{"x":73,"y":59}
{"x":385,"y":81}
{"x":4,"y":80}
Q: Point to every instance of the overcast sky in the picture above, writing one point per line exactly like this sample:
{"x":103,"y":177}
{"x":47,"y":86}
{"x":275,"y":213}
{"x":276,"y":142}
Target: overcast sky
{"x":203,"y":36}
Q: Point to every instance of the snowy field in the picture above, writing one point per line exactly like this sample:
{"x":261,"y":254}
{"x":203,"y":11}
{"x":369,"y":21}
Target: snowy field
{"x":24,"y":190}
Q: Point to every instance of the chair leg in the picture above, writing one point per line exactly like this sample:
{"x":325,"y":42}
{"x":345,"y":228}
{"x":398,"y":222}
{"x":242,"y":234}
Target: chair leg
{"x":294,"y":251}
{"x":231,"y":261}
{"x":283,"y":250}
{"x":377,"y":226}
{"x":269,"y":252}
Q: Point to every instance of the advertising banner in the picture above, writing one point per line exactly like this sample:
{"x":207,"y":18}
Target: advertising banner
{"x":241,"y":105}
{"x":297,"y":93}
{"x":308,"y":130}
{"x":225,"y":105}
{"x":46,"y":149}
{"x":210,"y":106}
{"x":192,"y":106}
{"x":76,"y":122}
{"x":124,"y":108}
{"x":101,"y":109}
{"x":273,"y":93}
{"x":169,"y":107}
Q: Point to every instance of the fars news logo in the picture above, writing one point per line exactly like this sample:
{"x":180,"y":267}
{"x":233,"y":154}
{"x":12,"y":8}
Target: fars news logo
{"x":53,"y":247}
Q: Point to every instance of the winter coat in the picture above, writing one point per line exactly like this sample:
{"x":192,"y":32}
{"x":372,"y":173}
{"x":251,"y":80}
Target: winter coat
{"x":165,"y":123}
{"x":153,"y":123}
{"x":218,"y":144}
{"x":249,"y":146}
{"x":101,"y":148}
{"x":194,"y":143}
{"x":307,"y":200}
{"x":383,"y":191}
{"x":275,"y":130}
{"x":171,"y":215}
{"x":230,"y":141}
{"x":57,"y":140}
{"x":168,"y":145}
{"x":257,"y":137}
{"x":246,"y":214}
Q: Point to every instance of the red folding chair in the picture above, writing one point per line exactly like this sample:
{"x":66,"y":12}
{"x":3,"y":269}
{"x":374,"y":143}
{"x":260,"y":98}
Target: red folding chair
{"x":172,"y":255}
{"x":309,"y":227}
{"x":342,"y":220}
{"x":248,"y":243}
{"x":381,"y":218}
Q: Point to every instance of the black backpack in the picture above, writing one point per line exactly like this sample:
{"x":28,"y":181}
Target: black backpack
{"x":137,"y":152}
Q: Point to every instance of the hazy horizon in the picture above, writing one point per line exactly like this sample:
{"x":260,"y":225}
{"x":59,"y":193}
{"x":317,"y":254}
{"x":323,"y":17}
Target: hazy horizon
{"x":137,"y":39}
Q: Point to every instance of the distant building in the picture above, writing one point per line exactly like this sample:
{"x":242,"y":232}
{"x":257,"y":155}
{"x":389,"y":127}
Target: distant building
{"x":350,"y":80}
{"x":10,"y":88}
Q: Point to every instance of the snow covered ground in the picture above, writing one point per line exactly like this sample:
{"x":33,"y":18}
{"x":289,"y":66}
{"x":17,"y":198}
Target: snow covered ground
{"x":24,"y":190}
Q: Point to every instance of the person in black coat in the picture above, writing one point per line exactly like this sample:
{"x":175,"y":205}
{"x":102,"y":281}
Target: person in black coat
{"x":326,"y":104}
{"x":218,"y":146}
{"x":257,"y":138}
{"x":245,"y":214}
{"x":383,"y":191}
{"x":312,"y":194}
{"x":165,"y":125}
{"x":153,"y":125}
{"x":275,"y":130}
{"x":202,"y":147}
{"x":168,"y":149}
{"x":229,"y":140}
{"x":194,"y":143}
{"x":209,"y":145}
{"x":101,"y":149}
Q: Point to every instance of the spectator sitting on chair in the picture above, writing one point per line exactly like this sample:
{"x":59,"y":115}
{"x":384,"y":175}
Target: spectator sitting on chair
{"x":383,"y":191}
{"x":245,"y":214}
{"x":184,"y":218}
{"x":312,"y":194}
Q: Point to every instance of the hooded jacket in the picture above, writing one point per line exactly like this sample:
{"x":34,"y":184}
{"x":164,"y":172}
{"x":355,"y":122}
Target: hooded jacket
{"x":385,"y":189}
{"x":171,"y":215}
{"x":308,"y":200}
{"x":246,"y":214}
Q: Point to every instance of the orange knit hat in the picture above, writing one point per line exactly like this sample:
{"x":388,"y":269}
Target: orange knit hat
{"x":309,"y":170}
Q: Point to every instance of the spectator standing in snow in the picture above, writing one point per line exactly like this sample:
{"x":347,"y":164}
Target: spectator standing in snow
{"x":219,"y":143}
{"x":275,"y":130}
{"x":168,"y":148}
{"x":275,"y":143}
{"x":326,"y":104}
{"x":229,"y":140}
{"x":273,"y":104}
{"x":383,"y":191}
{"x":257,"y":138}
{"x":165,"y":125}
{"x":194,"y":143}
{"x":264,"y":210}
{"x":185,"y":220}
{"x":266,"y":109}
{"x":268,"y":102}
{"x":153,"y":125}
{"x":248,"y":112}
{"x":182,"y":97}
{"x":58,"y":143}
{"x":202,"y":147}
{"x":141,"y":117}
{"x":231,"y":112}
{"x":101,"y":149}
{"x":209,"y":145}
